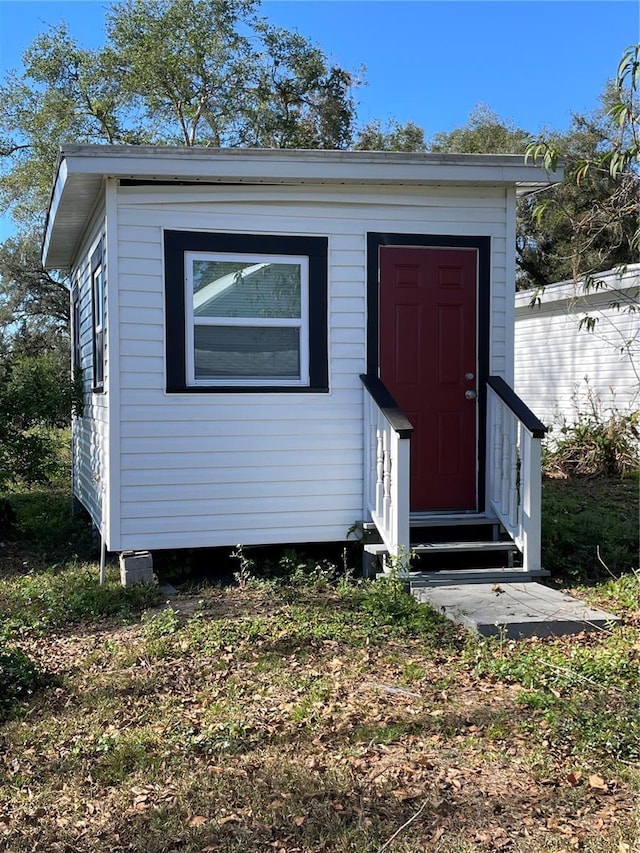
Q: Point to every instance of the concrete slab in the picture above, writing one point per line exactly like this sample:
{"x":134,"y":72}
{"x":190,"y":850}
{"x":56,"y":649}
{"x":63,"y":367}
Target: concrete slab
{"x":513,"y":610}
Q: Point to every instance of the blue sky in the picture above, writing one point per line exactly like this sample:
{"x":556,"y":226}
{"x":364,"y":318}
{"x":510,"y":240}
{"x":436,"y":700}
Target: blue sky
{"x":534,"y":62}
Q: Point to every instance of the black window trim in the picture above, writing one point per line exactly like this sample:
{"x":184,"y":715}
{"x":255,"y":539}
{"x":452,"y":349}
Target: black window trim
{"x":178,"y":243}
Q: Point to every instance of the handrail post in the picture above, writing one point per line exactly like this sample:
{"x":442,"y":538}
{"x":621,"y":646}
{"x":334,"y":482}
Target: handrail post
{"x":400,"y":483}
{"x":387,"y":466}
{"x":514,"y":487}
{"x":532,"y":502}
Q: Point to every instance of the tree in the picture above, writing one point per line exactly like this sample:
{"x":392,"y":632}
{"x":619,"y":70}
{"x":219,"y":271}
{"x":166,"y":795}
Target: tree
{"x":186,"y":72}
{"x":595,"y":212}
{"x":577,"y":226}
{"x":597,"y":207}
{"x":485,"y":133}
{"x":34,"y":405}
{"x":29,"y":295}
{"x":206,"y":72}
{"x":393,"y":137}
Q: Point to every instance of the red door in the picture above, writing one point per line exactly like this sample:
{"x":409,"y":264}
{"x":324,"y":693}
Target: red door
{"x":428,"y":361}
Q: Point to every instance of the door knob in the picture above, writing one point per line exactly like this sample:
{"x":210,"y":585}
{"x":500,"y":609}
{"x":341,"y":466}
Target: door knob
{"x":471,"y":395}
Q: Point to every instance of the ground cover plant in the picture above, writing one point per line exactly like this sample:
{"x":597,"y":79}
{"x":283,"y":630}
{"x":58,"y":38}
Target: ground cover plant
{"x":317,"y":714}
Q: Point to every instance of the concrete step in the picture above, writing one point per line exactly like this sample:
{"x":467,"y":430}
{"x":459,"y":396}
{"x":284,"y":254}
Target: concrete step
{"x":513,"y":610}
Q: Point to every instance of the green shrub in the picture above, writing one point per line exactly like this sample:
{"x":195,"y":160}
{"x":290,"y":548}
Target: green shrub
{"x":36,"y":399}
{"x":19,"y":677}
{"x":386,"y":603}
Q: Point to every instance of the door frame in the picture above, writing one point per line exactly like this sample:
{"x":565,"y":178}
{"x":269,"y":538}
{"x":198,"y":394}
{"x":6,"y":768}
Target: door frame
{"x":376,"y":240}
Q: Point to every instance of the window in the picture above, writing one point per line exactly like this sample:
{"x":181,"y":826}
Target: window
{"x":75,"y":324}
{"x":245,"y":311}
{"x":97,"y":302}
{"x":244,"y":319}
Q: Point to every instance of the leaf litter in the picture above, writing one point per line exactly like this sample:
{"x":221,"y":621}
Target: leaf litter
{"x":266,"y":742}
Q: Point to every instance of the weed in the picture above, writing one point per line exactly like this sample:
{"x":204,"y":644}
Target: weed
{"x":596,"y":446}
{"x":584,"y":692}
{"x":618,"y":594}
{"x":161,"y":623}
{"x":245,"y":573}
{"x":294,"y":570}
{"x":389,"y":603}
{"x":118,"y":755}
{"x":314,"y":695}
{"x":412,"y":672}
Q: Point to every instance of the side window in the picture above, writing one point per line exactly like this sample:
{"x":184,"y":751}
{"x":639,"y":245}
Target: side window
{"x":75,"y":330}
{"x":245,"y":312}
{"x":97,"y":302}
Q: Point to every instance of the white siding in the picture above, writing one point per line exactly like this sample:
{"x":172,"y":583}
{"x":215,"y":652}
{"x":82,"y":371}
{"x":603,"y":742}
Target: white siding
{"x":201,"y":470}
{"x":562,"y":370}
{"x":89,"y":433}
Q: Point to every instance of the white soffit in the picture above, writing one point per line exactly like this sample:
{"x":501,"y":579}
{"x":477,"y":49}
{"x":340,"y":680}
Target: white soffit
{"x":83,"y":168}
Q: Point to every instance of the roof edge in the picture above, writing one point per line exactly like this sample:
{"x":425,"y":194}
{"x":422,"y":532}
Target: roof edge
{"x":82,"y":168}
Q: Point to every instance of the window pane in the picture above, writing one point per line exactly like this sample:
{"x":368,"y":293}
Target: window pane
{"x":98,"y":297}
{"x":245,"y":352}
{"x":242,"y":289}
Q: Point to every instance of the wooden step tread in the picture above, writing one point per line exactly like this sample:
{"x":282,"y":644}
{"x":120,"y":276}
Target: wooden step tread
{"x":445,"y":547}
{"x":430,"y":519}
{"x":454,"y":547}
{"x":441,"y":577}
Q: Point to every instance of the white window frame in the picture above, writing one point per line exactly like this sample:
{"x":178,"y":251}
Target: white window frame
{"x":98,"y":320}
{"x":301,"y":322}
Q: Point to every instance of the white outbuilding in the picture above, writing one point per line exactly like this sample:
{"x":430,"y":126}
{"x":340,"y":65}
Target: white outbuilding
{"x":277,"y":344}
{"x":577,"y":347}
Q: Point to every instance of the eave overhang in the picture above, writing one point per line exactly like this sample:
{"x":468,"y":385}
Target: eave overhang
{"x":82,"y":170}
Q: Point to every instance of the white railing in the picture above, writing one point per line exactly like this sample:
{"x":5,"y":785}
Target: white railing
{"x":514,"y":479}
{"x":387,"y":438}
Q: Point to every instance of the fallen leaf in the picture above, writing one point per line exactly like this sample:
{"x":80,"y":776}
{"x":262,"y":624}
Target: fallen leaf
{"x":598,"y":783}
{"x":197,"y":820}
{"x":437,"y":835}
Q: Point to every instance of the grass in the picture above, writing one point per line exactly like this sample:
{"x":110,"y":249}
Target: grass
{"x":590,"y":527}
{"x":317,"y":716}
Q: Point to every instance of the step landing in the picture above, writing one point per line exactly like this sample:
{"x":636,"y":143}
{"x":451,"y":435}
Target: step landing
{"x":512,"y":610}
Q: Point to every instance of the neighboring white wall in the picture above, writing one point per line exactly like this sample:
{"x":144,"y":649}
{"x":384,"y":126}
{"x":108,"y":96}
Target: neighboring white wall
{"x":89,"y":433}
{"x":562,"y":370}
{"x":200,"y":470}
